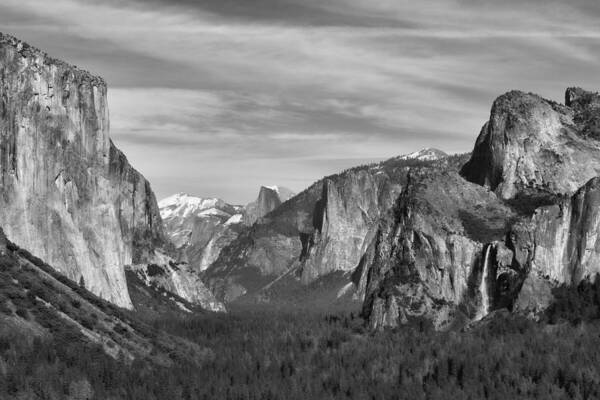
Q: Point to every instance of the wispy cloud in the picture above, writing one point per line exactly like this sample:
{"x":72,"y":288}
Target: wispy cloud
{"x":217,"y":97}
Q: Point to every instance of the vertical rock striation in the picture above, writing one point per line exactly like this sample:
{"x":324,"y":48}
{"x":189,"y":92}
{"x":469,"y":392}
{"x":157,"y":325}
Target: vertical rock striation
{"x":67,"y":193}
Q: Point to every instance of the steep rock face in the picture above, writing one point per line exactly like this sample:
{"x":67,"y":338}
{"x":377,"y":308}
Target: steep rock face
{"x":67,"y":193}
{"x":269,"y":198}
{"x":428,"y":256}
{"x":343,"y":217}
{"x":532,"y":147}
{"x":199,"y":228}
{"x":139,"y":217}
{"x":322,"y":230}
{"x":559,"y":245}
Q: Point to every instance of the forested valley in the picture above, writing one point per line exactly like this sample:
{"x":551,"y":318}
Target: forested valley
{"x":269,"y":354}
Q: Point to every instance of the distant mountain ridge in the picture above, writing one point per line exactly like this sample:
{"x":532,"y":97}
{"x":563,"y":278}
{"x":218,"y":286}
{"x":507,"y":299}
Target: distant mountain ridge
{"x":200,"y":227}
{"x":179,"y":211}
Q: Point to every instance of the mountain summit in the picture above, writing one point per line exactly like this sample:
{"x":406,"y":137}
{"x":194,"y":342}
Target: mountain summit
{"x":427,"y":154}
{"x":537,"y":148}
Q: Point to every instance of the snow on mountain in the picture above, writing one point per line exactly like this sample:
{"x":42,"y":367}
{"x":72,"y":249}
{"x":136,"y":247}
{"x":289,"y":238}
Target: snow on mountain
{"x":427,"y":154}
{"x":183,"y":205}
{"x":235,"y":219}
{"x":199,"y":227}
{"x":184,"y":215}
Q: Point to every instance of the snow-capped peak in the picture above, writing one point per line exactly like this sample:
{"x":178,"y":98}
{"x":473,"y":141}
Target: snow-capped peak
{"x":184,"y":205}
{"x":427,"y":154}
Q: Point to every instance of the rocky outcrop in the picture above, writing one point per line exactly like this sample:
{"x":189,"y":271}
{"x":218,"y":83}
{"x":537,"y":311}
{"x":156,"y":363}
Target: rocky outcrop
{"x":269,"y":198}
{"x":536,"y":148}
{"x":177,"y":278}
{"x":67,"y":193}
{"x":323,"y":230}
{"x":429,"y":255}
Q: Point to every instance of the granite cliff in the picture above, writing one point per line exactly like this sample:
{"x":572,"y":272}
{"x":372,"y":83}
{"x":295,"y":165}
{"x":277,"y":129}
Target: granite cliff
{"x":521,"y":220}
{"x":67,"y":194}
{"x":269,"y":198}
{"x":535,"y":148}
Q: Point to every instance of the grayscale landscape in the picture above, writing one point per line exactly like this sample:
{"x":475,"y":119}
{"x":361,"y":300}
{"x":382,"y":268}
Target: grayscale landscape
{"x":278,"y":199}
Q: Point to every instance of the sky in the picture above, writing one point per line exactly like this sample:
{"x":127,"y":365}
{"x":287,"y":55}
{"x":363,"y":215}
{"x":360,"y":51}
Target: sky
{"x":217,"y":97}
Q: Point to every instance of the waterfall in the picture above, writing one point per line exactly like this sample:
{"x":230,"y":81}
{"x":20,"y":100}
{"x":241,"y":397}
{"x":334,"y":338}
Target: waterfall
{"x":483,"y":286}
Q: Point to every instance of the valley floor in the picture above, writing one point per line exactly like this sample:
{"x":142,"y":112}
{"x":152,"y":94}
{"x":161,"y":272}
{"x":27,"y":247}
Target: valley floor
{"x":265,"y":354}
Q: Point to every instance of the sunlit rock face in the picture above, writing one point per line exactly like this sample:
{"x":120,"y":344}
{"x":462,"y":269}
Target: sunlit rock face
{"x":68,"y":194}
{"x":348,"y":208}
{"x":324,"y":229}
{"x":532,"y":147}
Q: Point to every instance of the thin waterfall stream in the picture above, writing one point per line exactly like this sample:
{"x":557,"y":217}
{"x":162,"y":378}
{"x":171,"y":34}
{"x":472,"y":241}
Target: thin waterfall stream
{"x":483,"y":286}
